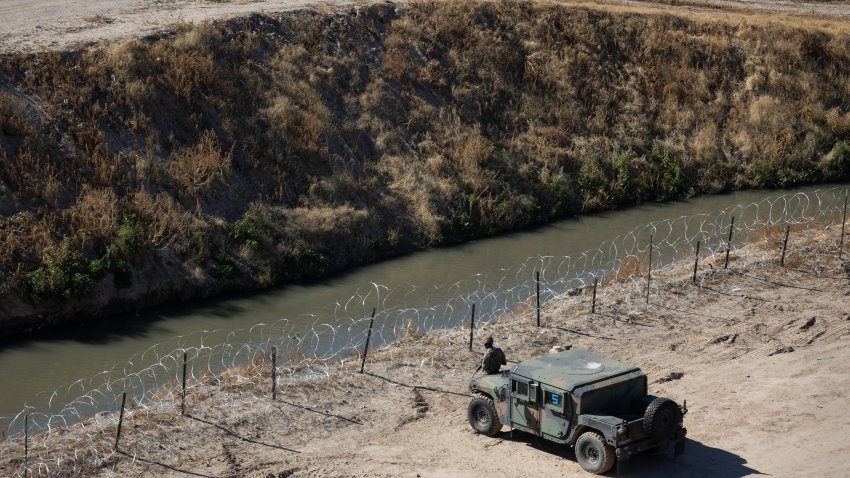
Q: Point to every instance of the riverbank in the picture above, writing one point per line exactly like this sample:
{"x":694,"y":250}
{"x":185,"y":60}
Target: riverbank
{"x":190,"y":163}
{"x":758,"y":351}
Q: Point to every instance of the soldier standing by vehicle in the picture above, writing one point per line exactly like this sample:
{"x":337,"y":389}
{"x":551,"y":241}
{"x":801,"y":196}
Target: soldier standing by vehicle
{"x":494,"y":358}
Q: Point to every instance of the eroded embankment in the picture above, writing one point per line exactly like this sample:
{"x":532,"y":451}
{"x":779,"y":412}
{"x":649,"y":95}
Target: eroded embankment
{"x":244,"y":153}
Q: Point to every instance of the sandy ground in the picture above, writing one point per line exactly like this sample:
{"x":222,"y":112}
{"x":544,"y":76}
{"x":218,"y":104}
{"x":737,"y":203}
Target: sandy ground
{"x":34,"y":25}
{"x":827,"y":9}
{"x":762,"y":353}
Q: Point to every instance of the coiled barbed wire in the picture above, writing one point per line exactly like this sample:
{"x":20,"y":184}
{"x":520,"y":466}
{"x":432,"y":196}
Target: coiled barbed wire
{"x":236,"y":362}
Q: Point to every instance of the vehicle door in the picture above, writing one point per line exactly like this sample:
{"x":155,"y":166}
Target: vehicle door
{"x":555,"y":413}
{"x":525,"y":405}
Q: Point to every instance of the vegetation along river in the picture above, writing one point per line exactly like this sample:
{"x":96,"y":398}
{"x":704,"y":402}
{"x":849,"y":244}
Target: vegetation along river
{"x":31,"y":367}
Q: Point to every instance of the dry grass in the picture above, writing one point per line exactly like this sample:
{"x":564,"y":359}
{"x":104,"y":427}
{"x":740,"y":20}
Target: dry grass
{"x":167,"y":221}
{"x":95,"y":215}
{"x":707,"y":12}
{"x":194,"y":169}
{"x":633,"y":267}
{"x":457,"y":120}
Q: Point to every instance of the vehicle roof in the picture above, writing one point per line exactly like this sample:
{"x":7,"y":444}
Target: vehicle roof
{"x":572,"y":368}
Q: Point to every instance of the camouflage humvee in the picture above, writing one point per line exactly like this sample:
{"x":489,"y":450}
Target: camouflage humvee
{"x":592,"y":403}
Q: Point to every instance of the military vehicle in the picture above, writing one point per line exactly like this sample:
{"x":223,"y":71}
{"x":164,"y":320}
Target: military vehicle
{"x":596,"y":405}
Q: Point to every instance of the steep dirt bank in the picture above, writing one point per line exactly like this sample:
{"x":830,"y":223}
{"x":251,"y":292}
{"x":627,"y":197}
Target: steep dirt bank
{"x":238,"y":154}
{"x":759,"y":353}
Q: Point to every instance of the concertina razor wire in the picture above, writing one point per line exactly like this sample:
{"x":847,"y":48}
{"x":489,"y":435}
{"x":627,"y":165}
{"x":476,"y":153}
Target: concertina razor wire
{"x":238,"y":362}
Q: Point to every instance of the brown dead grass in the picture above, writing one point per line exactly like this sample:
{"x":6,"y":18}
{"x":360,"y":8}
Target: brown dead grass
{"x":95,"y":215}
{"x":406,"y":126}
{"x":632,"y":268}
{"x":194,"y":169}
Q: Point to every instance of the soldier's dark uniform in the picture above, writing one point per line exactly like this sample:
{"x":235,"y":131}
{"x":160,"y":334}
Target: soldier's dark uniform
{"x":493,"y":359}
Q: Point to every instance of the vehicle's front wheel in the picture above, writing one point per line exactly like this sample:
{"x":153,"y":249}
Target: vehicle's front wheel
{"x":483,"y":417}
{"x":593,"y":454}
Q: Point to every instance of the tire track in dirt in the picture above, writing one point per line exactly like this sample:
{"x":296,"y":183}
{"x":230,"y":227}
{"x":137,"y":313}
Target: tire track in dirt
{"x":235,"y":467}
{"x":765,"y":336}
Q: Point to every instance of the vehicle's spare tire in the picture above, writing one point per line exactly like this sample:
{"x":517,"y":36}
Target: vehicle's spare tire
{"x":661,"y":419}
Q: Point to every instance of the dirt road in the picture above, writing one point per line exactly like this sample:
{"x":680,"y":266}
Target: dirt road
{"x":30,"y":26}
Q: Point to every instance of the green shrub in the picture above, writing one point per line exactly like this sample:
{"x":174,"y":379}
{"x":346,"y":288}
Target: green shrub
{"x":224,"y":266}
{"x":98,"y":268}
{"x":839,"y":165}
{"x":621,"y":186}
{"x":464,"y":215}
{"x":315,"y":263}
{"x":593,"y":183}
{"x":304,"y":261}
{"x":669,"y":173}
{"x":255,"y":228}
{"x":131,"y":236}
{"x":63,"y":276}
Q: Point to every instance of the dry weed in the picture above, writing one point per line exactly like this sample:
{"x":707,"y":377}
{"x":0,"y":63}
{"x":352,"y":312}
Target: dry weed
{"x":167,"y":222}
{"x":632,"y":267}
{"x":95,"y":216}
{"x":195,"y":169}
{"x":202,"y":37}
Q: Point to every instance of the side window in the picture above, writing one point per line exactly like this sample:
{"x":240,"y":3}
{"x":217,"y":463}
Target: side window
{"x":519,"y":388}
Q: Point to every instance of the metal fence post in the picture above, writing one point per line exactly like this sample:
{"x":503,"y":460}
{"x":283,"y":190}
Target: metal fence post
{"x":843,"y":222}
{"x":784,"y":245}
{"x":696,"y":262}
{"x":183,"y":396}
{"x":26,"y":445}
{"x":471,"y":325}
{"x":537,"y":274}
{"x":649,"y":270}
{"x":120,"y":420}
{"x":368,"y":338}
{"x":274,"y":373}
{"x":729,"y":242}
{"x":593,"y":301}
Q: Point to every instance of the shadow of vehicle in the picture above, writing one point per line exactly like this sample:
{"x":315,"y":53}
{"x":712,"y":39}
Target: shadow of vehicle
{"x":699,"y":460}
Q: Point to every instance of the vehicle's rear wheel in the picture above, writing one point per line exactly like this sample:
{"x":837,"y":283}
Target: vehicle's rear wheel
{"x":661,"y":418}
{"x":593,"y":454}
{"x":483,"y":417}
